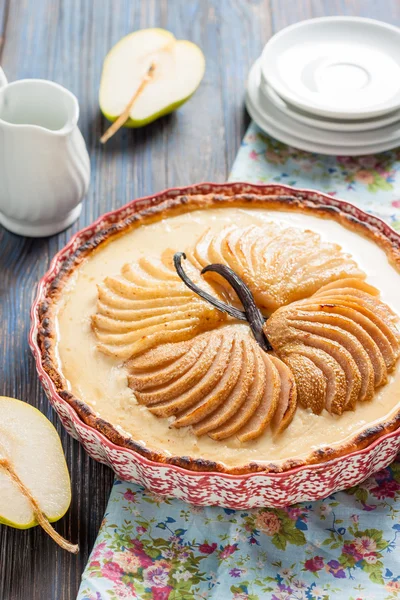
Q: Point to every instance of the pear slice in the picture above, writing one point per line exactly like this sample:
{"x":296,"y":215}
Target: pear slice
{"x":164,"y":70}
{"x":34,"y":481}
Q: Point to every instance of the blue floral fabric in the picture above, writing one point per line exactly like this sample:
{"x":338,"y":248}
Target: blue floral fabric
{"x":346,"y":547}
{"x":372,"y":182}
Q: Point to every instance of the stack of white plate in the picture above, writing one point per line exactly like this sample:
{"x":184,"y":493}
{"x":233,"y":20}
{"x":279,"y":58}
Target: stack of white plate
{"x":330,"y":85}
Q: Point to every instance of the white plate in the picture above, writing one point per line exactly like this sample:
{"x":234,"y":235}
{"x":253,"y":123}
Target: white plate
{"x":338,"y":67}
{"x":273,"y":128}
{"x":324,"y":123}
{"x":346,"y":141}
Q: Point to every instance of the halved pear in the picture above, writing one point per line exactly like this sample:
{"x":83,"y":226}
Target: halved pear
{"x":174,"y":68}
{"x":34,"y":480}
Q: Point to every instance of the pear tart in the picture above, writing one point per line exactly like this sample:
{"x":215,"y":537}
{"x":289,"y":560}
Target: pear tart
{"x":329,"y":342}
{"x":228,"y":331}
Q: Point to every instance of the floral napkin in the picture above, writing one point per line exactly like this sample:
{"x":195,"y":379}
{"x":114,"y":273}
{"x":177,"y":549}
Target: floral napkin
{"x":346,"y":547}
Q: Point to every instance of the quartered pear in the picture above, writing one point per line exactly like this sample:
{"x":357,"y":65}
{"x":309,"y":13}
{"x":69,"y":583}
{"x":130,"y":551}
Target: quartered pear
{"x":34,"y":480}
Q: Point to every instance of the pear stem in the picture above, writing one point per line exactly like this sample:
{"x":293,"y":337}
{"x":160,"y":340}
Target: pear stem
{"x":124,"y":116}
{"x":39,"y":516}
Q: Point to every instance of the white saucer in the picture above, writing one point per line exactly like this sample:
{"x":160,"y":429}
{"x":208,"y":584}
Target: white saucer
{"x":337,"y":67}
{"x":314,"y":134}
{"x":324,"y":123}
{"x":325,"y":142}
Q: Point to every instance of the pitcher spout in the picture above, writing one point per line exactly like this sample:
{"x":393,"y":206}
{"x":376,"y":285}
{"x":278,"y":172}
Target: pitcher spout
{"x":39,"y":104}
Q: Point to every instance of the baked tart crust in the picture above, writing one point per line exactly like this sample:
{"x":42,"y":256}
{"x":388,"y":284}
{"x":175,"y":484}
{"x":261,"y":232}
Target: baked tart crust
{"x":47,"y":332}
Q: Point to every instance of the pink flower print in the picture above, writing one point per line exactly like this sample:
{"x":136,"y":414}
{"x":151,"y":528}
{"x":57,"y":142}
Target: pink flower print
{"x":385,"y":173}
{"x":268,"y":522}
{"x":145,"y":560}
{"x":382,"y":475}
{"x":274,"y":157}
{"x":386,"y":489}
{"x":314,"y":564}
{"x":368,"y":162}
{"x":128,"y":561}
{"x":161,"y":593}
{"x":94,"y":563}
{"x":294,"y":513}
{"x":364,"y":176}
{"x":111,"y":570}
{"x":141,"y":529}
{"x":348,"y":161}
{"x":371,"y":559}
{"x":155,"y":576}
{"x":355,"y":518}
{"x":207,"y":548}
{"x":97,"y":552}
{"x":163,"y":563}
{"x":396,"y":203}
{"x":325,"y":509}
{"x":351,"y":550}
{"x":393,"y":586}
{"x":364,"y":545}
{"x":253,"y":155}
{"x":228,"y":550}
{"x":124,"y":591}
{"x":129,"y":495}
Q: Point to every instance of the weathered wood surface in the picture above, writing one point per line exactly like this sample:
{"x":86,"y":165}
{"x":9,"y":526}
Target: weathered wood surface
{"x":66,"y":40}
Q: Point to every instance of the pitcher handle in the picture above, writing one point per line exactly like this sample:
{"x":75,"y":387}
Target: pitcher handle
{"x":3,"y":78}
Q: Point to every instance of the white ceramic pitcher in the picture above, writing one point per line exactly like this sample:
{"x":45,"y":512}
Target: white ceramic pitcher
{"x":44,"y":164}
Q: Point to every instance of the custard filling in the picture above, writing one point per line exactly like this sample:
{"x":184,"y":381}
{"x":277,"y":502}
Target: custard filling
{"x":102,"y":381}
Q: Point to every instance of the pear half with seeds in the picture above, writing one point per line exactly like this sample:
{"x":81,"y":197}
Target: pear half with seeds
{"x":147,"y":74}
{"x":35,"y":486}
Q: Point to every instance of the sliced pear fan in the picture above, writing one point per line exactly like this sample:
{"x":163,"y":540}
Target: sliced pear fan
{"x":333,"y":340}
{"x":278,"y":265}
{"x":148,"y":305}
{"x":340,"y":344}
{"x":220,"y":383}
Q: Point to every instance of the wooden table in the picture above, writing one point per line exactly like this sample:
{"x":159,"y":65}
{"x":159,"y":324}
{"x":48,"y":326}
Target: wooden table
{"x":66,"y":40}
